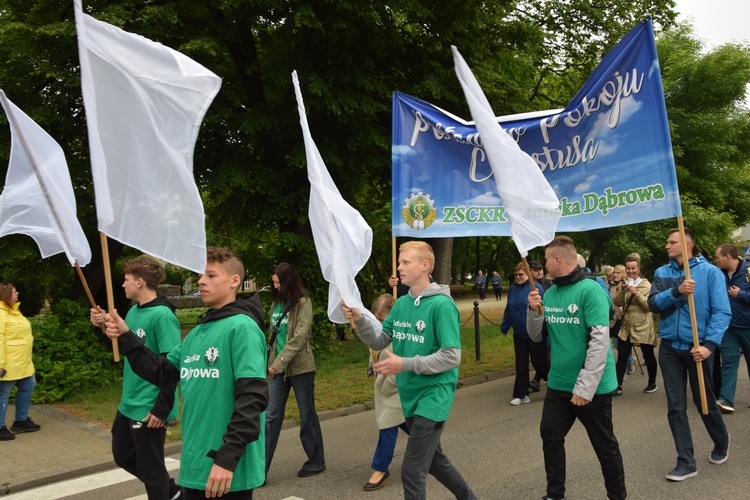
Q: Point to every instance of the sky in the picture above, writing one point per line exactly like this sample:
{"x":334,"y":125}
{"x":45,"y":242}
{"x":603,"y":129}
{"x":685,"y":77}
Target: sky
{"x":717,"y":21}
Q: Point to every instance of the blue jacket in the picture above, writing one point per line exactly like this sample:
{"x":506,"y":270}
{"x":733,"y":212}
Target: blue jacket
{"x":711,"y":304}
{"x":741,"y":305}
{"x":515,"y":309}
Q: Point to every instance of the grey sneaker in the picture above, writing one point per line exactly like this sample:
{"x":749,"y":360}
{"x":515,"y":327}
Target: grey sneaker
{"x":717,"y":456}
{"x":681,"y":472}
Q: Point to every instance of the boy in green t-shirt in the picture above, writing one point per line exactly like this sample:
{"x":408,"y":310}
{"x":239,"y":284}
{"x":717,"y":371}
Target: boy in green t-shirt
{"x":221,"y":366}
{"x":140,"y":425}
{"x":582,"y":373}
{"x":423,"y":327}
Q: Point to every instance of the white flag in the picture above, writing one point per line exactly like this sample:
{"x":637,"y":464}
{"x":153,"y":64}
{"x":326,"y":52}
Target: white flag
{"x":144,"y":106}
{"x":531,"y":205}
{"x":343,"y":239}
{"x":38,"y":198}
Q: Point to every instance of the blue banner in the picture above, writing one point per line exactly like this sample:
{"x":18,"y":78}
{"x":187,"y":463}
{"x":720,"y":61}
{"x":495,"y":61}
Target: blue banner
{"x":607,"y":155}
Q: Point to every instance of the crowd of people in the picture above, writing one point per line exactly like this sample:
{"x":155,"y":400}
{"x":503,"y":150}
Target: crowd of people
{"x":578,"y":332}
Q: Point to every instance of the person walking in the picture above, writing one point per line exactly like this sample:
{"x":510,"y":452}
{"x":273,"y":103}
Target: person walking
{"x":525,"y":348}
{"x":637,"y":323}
{"x":497,"y":285}
{"x":16,"y":366}
{"x":139,"y":429}
{"x":678,"y":355}
{"x":291,"y":365}
{"x":481,"y":283}
{"x":582,"y":375}
{"x":424,"y":329}
{"x":737,"y":337}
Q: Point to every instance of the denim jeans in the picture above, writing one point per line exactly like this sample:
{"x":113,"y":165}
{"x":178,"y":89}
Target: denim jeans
{"x":734,"y":340}
{"x":677,"y":367}
{"x":309,"y":430}
{"x":23,"y":397}
{"x":558,"y":416}
{"x":386,"y":444}
{"x":423,"y":454}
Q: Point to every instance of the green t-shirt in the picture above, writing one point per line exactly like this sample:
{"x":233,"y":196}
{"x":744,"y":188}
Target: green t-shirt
{"x":278,"y":310}
{"x":158,"y":327}
{"x":211,"y":358}
{"x":422,"y":330}
{"x":569,"y":312}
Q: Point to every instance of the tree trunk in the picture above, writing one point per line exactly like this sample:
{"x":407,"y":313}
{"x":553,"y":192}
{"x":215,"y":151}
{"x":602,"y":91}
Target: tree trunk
{"x":443,"y":248}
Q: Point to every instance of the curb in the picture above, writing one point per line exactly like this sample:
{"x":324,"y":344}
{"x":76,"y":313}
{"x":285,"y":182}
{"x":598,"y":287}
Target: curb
{"x":174,"y":448}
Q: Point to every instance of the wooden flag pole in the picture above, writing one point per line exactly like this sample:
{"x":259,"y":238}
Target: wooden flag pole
{"x":532,"y":286}
{"x":693,"y":318}
{"x":85,"y":285}
{"x":394,"y":265}
{"x":110,"y":293}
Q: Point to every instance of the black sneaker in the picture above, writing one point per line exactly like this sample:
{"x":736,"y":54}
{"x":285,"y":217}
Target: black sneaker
{"x":719,"y":456}
{"x":25,"y":426}
{"x":5,"y":434}
{"x":651,"y":388}
{"x":616,"y":392}
{"x":534,"y":386}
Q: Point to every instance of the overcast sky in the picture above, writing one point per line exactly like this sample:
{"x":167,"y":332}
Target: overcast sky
{"x":717,"y":21}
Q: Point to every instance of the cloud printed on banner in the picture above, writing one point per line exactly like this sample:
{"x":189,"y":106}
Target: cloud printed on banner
{"x":585,"y":186}
{"x":488,"y":199}
{"x":402,"y":151}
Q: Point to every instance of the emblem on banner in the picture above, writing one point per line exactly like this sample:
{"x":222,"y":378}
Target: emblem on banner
{"x":419,"y":211}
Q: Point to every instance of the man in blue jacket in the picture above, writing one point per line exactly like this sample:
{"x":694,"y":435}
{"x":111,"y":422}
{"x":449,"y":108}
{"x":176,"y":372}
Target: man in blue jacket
{"x":677,"y":353}
{"x":737,"y":336}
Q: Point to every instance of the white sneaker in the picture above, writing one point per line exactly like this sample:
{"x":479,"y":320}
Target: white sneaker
{"x":519,"y":401}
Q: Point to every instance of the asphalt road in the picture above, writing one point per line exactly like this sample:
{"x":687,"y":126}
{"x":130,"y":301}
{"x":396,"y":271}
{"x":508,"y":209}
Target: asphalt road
{"x":498,"y":450}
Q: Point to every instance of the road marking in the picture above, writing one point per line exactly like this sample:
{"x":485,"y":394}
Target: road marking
{"x":83,"y":484}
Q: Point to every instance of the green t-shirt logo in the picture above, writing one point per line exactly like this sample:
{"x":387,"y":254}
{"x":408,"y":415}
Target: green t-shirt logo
{"x":212,"y":356}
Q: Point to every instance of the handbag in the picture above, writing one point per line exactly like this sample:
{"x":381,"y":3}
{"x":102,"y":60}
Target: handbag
{"x":615,"y":330}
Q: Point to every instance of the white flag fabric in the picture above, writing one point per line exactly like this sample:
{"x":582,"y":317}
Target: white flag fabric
{"x":144,"y":106}
{"x":530,"y":203}
{"x":343,"y":239}
{"x":38,"y":198}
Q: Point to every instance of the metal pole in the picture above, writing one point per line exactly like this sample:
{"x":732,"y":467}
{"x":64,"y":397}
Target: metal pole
{"x":476,"y":331}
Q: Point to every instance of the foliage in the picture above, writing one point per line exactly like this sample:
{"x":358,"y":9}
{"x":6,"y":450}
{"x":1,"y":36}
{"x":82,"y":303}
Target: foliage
{"x":67,"y":356}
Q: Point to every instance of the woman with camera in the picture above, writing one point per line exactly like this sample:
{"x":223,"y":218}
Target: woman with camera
{"x":637,"y":323}
{"x":291,"y":365}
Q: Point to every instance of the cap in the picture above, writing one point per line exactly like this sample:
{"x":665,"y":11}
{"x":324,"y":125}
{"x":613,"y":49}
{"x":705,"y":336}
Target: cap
{"x":535,"y":264}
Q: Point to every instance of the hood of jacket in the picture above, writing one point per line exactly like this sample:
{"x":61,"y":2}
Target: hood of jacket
{"x":159,"y":301}
{"x":249,"y":306}
{"x":431,"y":290}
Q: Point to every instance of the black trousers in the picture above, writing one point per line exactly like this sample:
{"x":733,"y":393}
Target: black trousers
{"x":525,"y":348}
{"x":140,"y":451}
{"x":624,"y":348}
{"x":558,"y":416}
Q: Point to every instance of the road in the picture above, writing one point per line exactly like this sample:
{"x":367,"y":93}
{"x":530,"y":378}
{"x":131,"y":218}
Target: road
{"x":498,"y":450}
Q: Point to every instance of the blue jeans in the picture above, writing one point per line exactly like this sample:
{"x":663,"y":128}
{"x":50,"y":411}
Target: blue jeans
{"x":677,"y":367}
{"x":734,"y":340}
{"x":309,"y":430}
{"x":386,"y":444}
{"x":23,"y":397}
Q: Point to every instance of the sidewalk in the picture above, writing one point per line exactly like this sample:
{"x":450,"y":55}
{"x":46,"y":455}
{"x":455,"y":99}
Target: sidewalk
{"x":67,"y":446}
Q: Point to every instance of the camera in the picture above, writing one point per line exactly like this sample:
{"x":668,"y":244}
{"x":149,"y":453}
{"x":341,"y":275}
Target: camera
{"x":630,"y":281}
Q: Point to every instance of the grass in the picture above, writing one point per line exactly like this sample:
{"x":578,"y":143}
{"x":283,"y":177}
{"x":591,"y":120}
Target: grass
{"x":341,"y":379}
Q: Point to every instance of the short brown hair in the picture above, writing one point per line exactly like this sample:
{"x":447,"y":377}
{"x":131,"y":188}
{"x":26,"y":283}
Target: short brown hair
{"x":423,"y":250}
{"x":147,"y":268}
{"x":689,"y":235}
{"x":566,"y":247}
{"x":727,"y":249}
{"x":228,"y":260}
{"x":6,"y":292}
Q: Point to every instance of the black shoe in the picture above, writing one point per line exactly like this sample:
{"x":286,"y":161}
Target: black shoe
{"x":376,"y":486}
{"x":650,"y":388}
{"x":6,"y":435}
{"x":534,"y":386}
{"x":616,"y":392}
{"x":25,"y":426}
{"x":309,"y":473}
